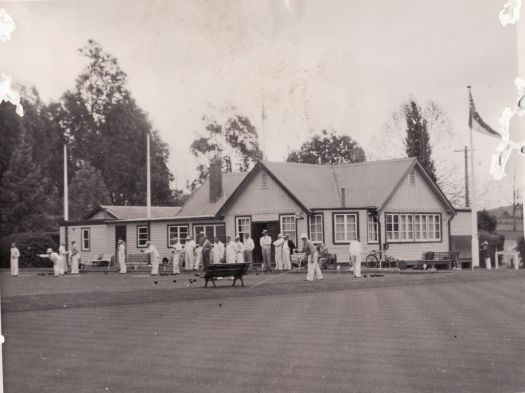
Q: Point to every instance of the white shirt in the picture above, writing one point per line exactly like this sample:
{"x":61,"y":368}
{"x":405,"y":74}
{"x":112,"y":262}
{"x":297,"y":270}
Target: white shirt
{"x":177,"y":247}
{"x":122,"y":249}
{"x":355,"y":248}
{"x":153,"y":251}
{"x":189,"y":246}
{"x":266,"y":241}
{"x":249,"y":244}
{"x":218,"y":252}
{"x":279,"y":242}
{"x":15,"y":253}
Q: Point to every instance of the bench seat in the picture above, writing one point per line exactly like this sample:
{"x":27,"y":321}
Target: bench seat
{"x":432,"y":260}
{"x":235,"y":270}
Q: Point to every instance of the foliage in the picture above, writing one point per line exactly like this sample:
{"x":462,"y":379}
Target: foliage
{"x":496,"y":243}
{"x":389,"y":143}
{"x":521,"y":249}
{"x":486,"y":221}
{"x":328,"y":148}
{"x":86,"y":191}
{"x":234,"y":142}
{"x":22,"y":193}
{"x":108,"y":129}
{"x":30,"y":246}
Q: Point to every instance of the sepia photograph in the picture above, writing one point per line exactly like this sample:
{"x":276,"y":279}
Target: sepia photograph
{"x":262,"y":196}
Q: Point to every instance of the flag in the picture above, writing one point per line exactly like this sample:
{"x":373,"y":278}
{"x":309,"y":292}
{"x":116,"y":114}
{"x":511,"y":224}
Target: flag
{"x":475,"y":121}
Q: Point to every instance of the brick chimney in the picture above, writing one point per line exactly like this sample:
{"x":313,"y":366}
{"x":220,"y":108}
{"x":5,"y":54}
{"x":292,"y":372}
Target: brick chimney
{"x":215,"y":179}
{"x":343,"y":197}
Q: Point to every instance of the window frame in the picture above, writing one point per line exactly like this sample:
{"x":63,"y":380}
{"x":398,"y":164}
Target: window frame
{"x":169,"y":226}
{"x":310,"y":232}
{"x":83,"y":239}
{"x":237,"y":232}
{"x":139,"y":227}
{"x":376,"y":225}
{"x":282,"y":231}
{"x":208,"y":224}
{"x":345,"y":214}
{"x":416,"y":224}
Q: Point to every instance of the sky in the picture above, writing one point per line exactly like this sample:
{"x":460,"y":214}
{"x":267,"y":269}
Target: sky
{"x":345,"y":65}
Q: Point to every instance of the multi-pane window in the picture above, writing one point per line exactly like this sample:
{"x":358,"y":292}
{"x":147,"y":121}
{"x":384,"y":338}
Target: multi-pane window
{"x":243,"y":227}
{"x":372,"y":229}
{"x":142,"y":235}
{"x":316,"y":228}
{"x":85,"y":240}
{"x":345,"y":227}
{"x":288,"y":227}
{"x":177,"y":232}
{"x":212,"y":231}
{"x":427,"y":227}
{"x":410,"y":227}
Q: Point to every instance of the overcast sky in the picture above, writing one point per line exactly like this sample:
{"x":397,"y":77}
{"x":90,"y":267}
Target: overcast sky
{"x":345,"y":65}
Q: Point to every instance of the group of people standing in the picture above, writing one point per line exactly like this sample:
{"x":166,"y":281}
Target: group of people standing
{"x":61,"y":263}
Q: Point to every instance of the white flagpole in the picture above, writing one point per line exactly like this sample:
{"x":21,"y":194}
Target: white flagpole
{"x":148,"y":178}
{"x":263,"y":119}
{"x":473,"y":201}
{"x":66,"y":207}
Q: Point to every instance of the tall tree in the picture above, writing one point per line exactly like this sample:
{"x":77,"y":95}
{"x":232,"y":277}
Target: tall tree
{"x":108,"y":129}
{"x":10,"y":130}
{"x":87,"y":190}
{"x":328,"y":148}
{"x":417,"y":140}
{"x":22,"y":193}
{"x":235,"y":142}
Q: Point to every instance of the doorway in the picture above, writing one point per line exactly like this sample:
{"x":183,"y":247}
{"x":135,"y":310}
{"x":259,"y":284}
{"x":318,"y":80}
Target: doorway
{"x":120,"y":234}
{"x":273,"y":228}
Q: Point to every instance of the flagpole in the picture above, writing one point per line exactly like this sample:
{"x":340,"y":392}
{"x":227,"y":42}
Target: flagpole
{"x":473,"y":199}
{"x":66,"y":196}
{"x":148,"y":177}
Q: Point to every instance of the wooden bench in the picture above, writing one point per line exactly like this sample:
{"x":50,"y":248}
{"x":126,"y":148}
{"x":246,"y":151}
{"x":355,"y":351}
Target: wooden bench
{"x":433,"y":259}
{"x":101,"y":260}
{"x":235,"y":270}
{"x":137,"y":260}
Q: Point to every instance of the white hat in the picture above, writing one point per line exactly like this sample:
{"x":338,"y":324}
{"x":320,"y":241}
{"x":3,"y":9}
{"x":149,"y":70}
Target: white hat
{"x":304,"y":236}
{"x":49,"y":250}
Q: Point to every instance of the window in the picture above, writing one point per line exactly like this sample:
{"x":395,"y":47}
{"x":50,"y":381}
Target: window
{"x":142,"y":235}
{"x":427,"y":227}
{"x":243,"y":227}
{"x":345,"y":228}
{"x":400,"y":227}
{"x":372,"y":229}
{"x":410,"y":227}
{"x":85,"y":239}
{"x":264,"y":180}
{"x":316,"y":228}
{"x":288,"y":227}
{"x":211,"y":230}
{"x":177,"y":232}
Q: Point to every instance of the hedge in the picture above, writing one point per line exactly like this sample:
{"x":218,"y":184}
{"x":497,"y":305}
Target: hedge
{"x":30,"y":246}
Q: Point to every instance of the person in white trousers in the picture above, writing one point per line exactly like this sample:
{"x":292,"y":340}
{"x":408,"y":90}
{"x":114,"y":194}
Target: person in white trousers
{"x":355,"y":251}
{"x":249,"y":246}
{"x":287,"y":258}
{"x":75,"y":258}
{"x":217,"y":251}
{"x":122,"y":257}
{"x":231,"y":250}
{"x":63,"y":258}
{"x":155,"y":258}
{"x":278,"y":247}
{"x":189,"y":249}
{"x":310,"y":251}
{"x":177,"y":250}
{"x":239,"y":250}
{"x":55,"y":258}
{"x":15,"y":254}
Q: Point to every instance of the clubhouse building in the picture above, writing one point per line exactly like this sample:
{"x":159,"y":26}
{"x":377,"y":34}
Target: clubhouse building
{"x":393,"y":205}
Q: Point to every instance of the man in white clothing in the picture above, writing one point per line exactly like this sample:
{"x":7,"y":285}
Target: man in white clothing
{"x":15,"y":254}
{"x":266,"y":248}
{"x":355,"y":250}
{"x":239,"y":250}
{"x":287,"y":261}
{"x":217,"y":251}
{"x":63,"y":258}
{"x":55,"y":258}
{"x":155,"y":258}
{"x":278,"y":247}
{"x":122,"y":257}
{"x":189,"y":249}
{"x":310,"y":251}
{"x":75,"y":258}
{"x":248,"y":248}
{"x":177,"y":251}
{"x":231,"y":250}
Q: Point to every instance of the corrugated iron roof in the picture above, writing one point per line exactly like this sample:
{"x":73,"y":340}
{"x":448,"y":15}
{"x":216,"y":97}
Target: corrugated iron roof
{"x":140,"y":212}
{"x":199,"y":203}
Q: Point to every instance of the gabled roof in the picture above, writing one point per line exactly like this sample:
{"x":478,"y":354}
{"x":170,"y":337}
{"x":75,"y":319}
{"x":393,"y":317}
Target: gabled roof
{"x":135,"y":212}
{"x":199,"y":204}
{"x":312,"y":186}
